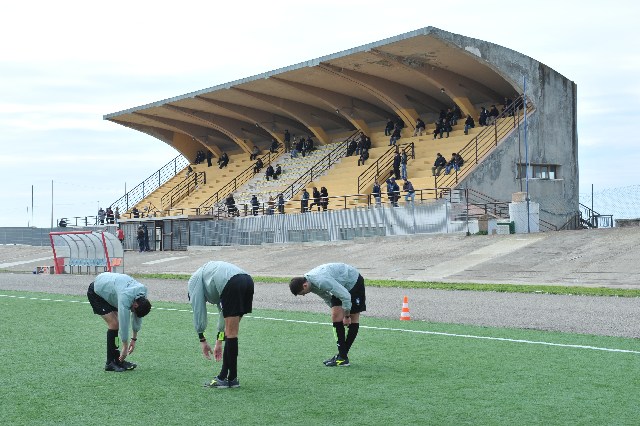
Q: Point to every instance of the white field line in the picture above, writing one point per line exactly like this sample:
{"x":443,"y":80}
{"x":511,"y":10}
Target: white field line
{"x":401,"y":330}
{"x":166,"y":259}
{"x":22,"y":262}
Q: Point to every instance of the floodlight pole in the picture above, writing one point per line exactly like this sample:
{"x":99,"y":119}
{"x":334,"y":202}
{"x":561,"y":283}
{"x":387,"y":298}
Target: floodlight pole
{"x":526,"y":152}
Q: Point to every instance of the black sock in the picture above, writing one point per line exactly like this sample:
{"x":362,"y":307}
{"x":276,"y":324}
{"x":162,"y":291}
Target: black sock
{"x":224,"y":370}
{"x":351,"y":336}
{"x":112,"y":345}
{"x":338,"y":327}
{"x":232,"y":347}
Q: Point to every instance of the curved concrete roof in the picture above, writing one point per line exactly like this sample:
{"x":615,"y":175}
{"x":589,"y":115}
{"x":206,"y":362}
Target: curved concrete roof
{"x":411,"y":75}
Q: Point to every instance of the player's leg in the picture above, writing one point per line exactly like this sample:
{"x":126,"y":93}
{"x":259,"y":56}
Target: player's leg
{"x":358,"y":305}
{"x":110,"y":315}
{"x":237,"y":300}
{"x":337,"y":317}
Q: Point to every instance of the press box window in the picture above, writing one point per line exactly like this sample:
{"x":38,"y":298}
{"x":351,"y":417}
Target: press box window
{"x":538,"y":171}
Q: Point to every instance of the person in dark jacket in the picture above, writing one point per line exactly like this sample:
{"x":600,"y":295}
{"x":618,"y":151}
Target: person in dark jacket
{"x":468,"y":124}
{"x":255,"y":205}
{"x":438,"y":165}
{"x":304,"y":201}
{"x":316,"y":198}
{"x":324,"y":198}
{"x":377,"y":192}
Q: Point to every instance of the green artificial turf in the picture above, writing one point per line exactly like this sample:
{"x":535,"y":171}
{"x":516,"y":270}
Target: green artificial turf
{"x":403,"y":372}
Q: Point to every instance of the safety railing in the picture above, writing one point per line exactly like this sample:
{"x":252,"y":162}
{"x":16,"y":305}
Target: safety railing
{"x":381,"y":168}
{"x":150,"y":184}
{"x":238,"y":181}
{"x":485,"y":141}
{"x":183,"y":189}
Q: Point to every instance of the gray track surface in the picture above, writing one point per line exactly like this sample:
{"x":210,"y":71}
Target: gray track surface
{"x":598,"y":258}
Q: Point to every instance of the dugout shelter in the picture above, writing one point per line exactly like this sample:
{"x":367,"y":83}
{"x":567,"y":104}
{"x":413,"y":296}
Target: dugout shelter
{"x":86,"y":252}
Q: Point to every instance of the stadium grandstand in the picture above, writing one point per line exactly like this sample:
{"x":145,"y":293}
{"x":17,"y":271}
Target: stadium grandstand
{"x":526,"y":152}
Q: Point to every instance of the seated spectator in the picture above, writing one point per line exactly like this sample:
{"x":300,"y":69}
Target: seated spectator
{"x":271,"y":204}
{"x":351,"y":147}
{"x":300,"y":146}
{"x":304,"y":201}
{"x":393,"y":191}
{"x":316,"y":199}
{"x":389,"y":128}
{"x":377,"y":192}
{"x":324,"y":198}
{"x":439,"y":129}
{"x":455,"y":163}
{"x":280,"y":203}
{"x":482,"y":120}
{"x":255,"y":205}
{"x":230,"y":202}
{"x":274,"y":145}
{"x":199,"y":157}
{"x":447,"y":127}
{"x":223,"y":160}
{"x":254,"y":153}
{"x":258,"y":166}
{"x":410,"y":191}
{"x":449,"y":117}
{"x":277,"y":172}
{"x":367,"y":142}
{"x":269,"y":172}
{"x":309,"y":146}
{"x":364,"y":155}
{"x":493,"y":115}
{"x":456,"y":114}
{"x":506,"y":105}
{"x":420,"y":126}
{"x":438,"y":165}
{"x":468,"y":124}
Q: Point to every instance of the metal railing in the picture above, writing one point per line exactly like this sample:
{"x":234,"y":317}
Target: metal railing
{"x":183,"y":189}
{"x":232,"y":186}
{"x":382,"y":167}
{"x":485,"y":141}
{"x":319,"y":168}
{"x":150,"y":184}
{"x":592,"y":219}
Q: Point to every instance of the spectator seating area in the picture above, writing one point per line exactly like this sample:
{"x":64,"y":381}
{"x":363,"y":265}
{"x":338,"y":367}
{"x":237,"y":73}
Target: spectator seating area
{"x":341,"y":180}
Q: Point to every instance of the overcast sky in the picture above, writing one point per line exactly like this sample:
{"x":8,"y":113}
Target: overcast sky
{"x":63,"y":65}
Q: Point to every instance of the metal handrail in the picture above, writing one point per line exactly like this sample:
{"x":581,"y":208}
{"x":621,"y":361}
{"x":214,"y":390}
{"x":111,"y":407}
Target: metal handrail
{"x":150,"y":184}
{"x":485,"y":141}
{"x":183,"y":189}
{"x":239,"y":180}
{"x":317,"y":169}
{"x":380,"y":168}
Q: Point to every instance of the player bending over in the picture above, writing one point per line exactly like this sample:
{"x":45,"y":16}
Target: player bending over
{"x":342,"y":288}
{"x":231,"y":290}
{"x":119,"y":300}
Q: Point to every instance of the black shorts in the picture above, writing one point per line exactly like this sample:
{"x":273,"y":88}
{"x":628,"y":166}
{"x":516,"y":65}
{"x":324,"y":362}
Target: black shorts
{"x":237,"y":297}
{"x":99,"y":305}
{"x":358,"y":297}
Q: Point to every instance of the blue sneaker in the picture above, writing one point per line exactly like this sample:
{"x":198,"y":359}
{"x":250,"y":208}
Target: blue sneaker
{"x":218,"y":383}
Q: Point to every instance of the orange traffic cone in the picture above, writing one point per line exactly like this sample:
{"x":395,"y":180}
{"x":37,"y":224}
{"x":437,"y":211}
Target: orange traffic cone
{"x":405,"y":315}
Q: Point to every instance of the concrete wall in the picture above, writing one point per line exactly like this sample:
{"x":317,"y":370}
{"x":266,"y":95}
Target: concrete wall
{"x":552,"y":132}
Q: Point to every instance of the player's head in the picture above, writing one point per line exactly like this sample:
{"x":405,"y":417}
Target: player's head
{"x":297,"y":285}
{"x":142,"y":307}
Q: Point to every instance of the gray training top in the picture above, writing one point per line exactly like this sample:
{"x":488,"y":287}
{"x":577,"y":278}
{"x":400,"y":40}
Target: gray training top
{"x":333,"y":279}
{"x":120,"y":291}
{"x":206,"y":285}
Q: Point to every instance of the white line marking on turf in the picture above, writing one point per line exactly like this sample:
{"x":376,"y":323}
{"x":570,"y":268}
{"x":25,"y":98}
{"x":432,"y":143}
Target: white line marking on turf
{"x":403,"y":330}
{"x":166,"y":259}
{"x":22,"y":262}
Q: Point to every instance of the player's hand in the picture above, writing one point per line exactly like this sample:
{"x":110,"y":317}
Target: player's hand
{"x":217,"y":350}
{"x":206,"y":349}
{"x":346,"y":321}
{"x":132,"y":346}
